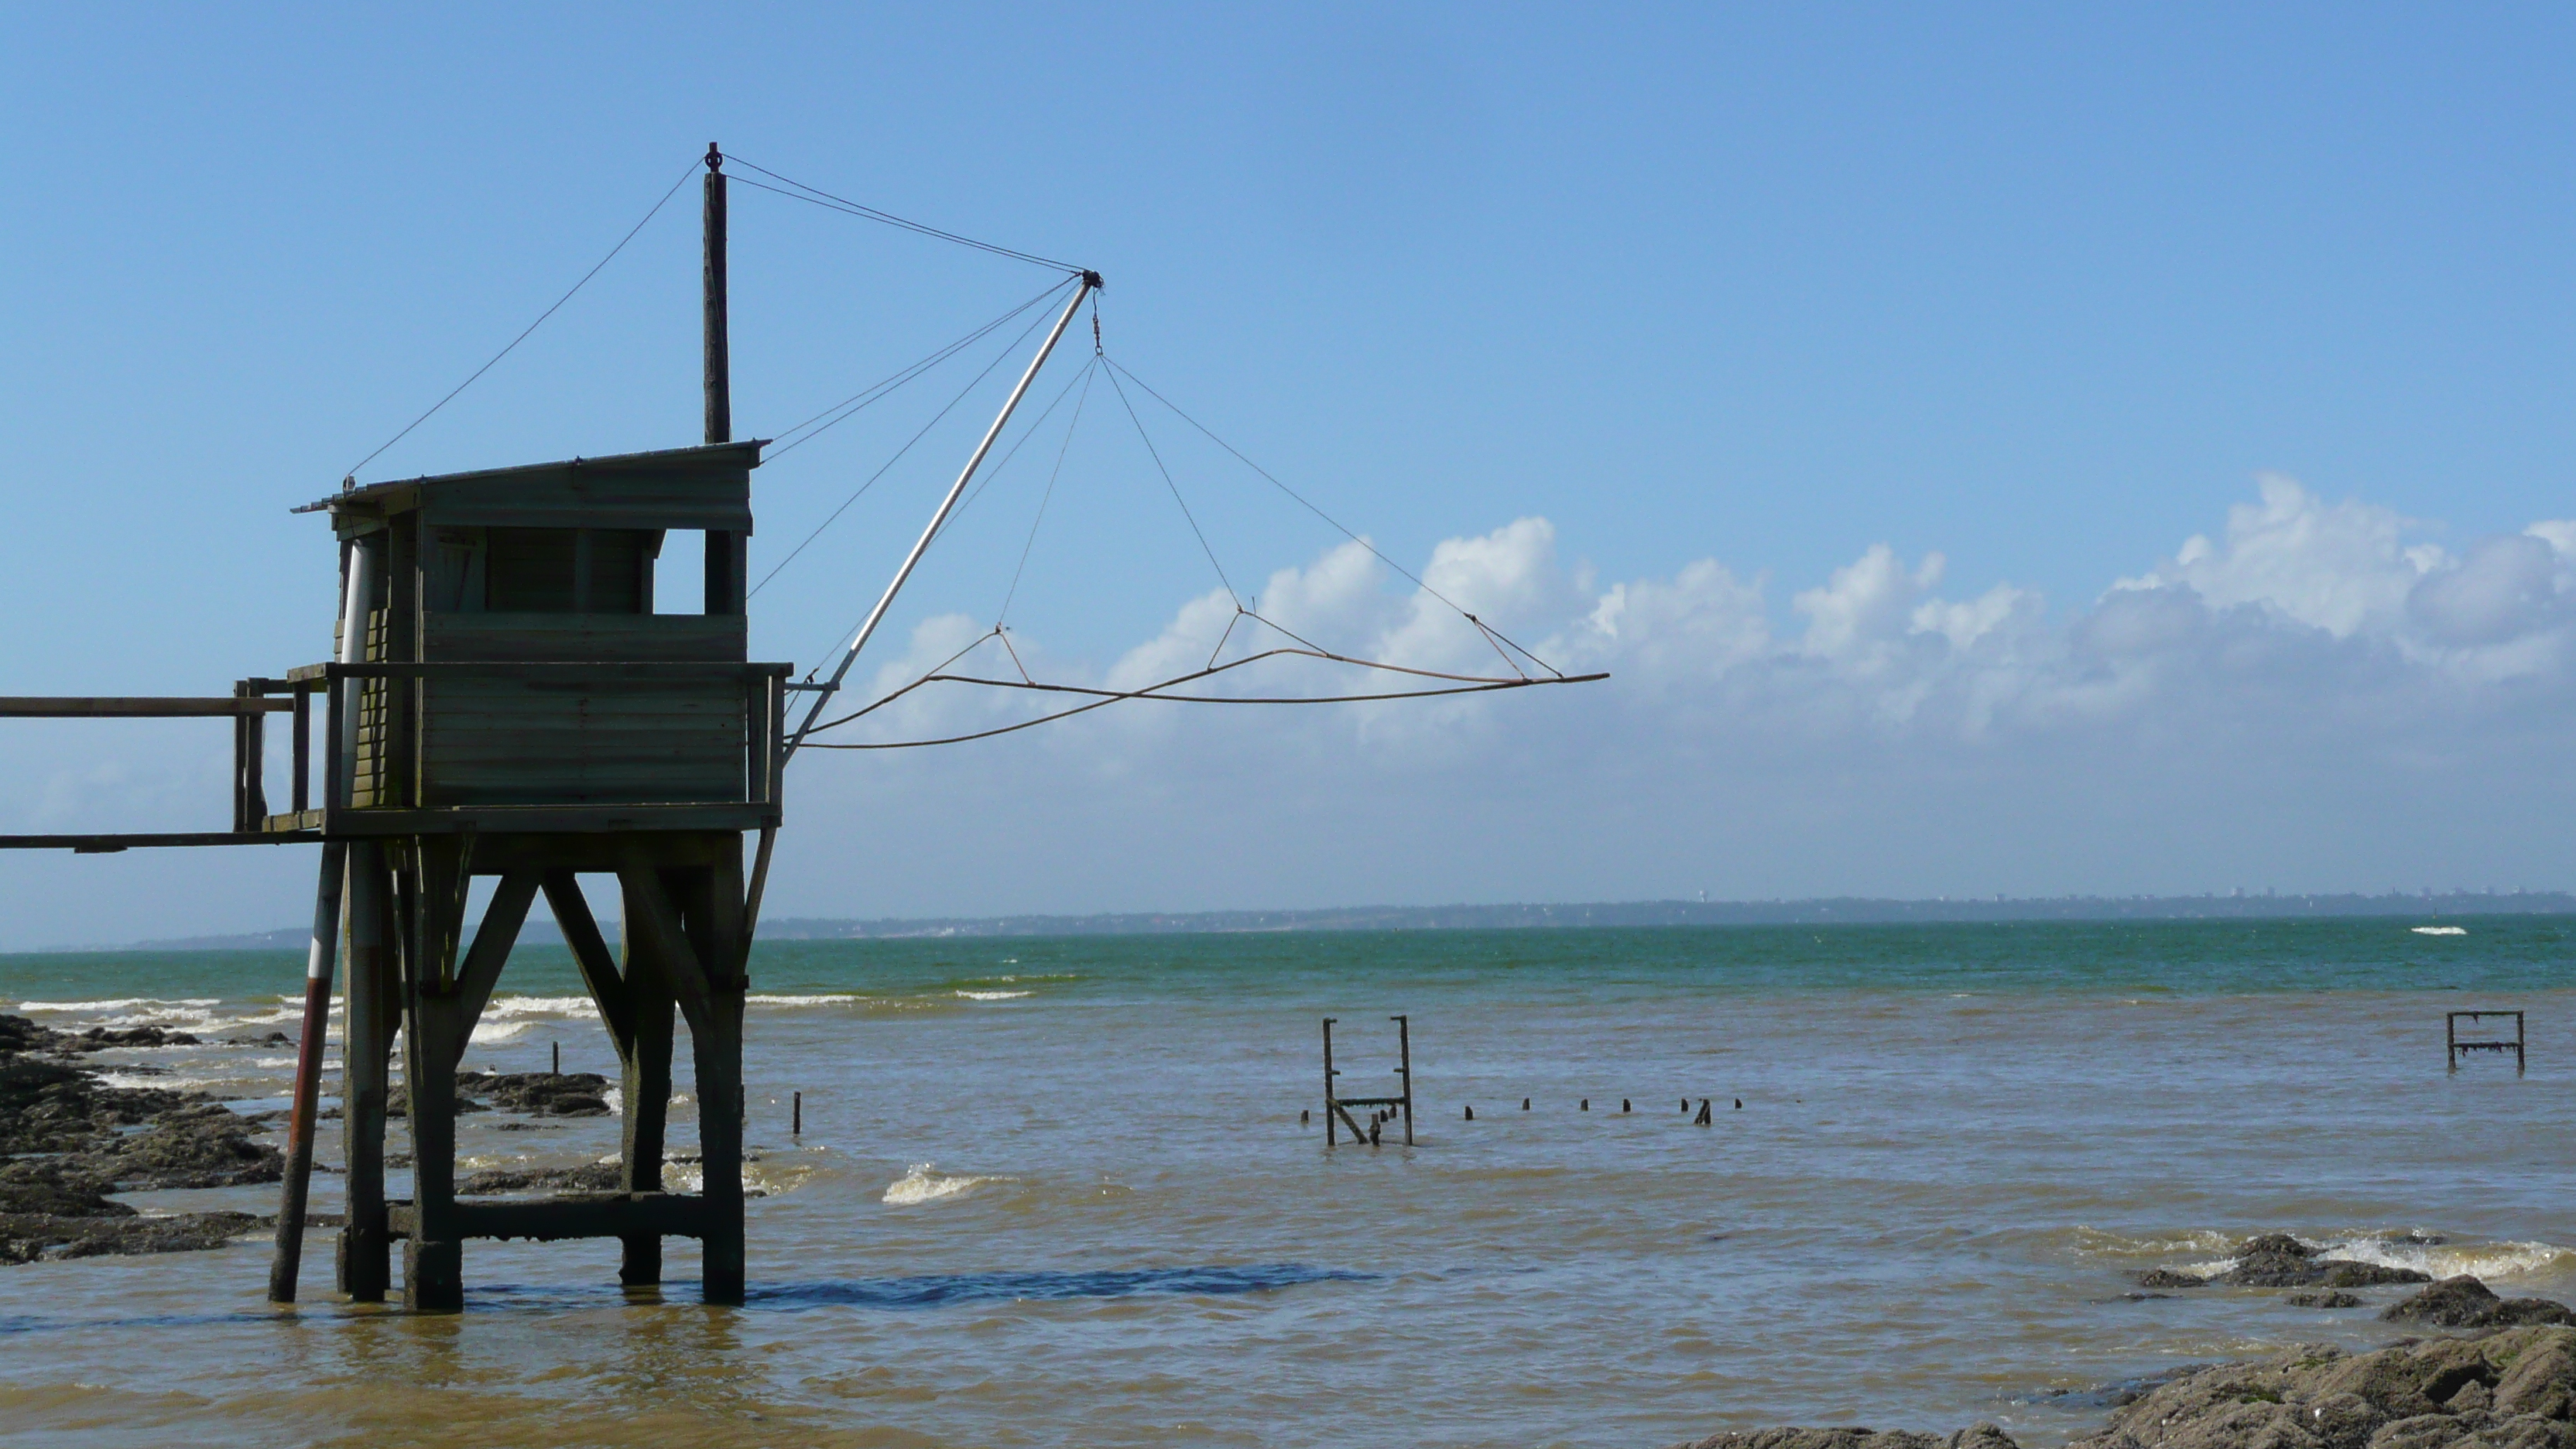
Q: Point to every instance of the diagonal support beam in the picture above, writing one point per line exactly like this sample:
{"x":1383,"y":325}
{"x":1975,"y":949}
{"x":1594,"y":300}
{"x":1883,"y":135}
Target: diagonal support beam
{"x":659,"y":930}
{"x":492,"y":942}
{"x":590,"y":952}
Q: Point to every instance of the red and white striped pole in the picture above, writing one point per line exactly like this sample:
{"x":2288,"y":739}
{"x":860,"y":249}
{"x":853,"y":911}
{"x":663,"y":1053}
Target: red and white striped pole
{"x":322,"y":956}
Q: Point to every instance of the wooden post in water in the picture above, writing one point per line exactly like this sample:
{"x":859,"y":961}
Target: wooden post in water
{"x":1404,"y":1048}
{"x":1329,"y":1108}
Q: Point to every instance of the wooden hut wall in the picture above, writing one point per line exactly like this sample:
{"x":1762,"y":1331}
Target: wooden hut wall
{"x":522,"y":741}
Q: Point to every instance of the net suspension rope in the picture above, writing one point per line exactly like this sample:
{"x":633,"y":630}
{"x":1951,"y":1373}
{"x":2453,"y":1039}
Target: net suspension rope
{"x":1435,"y":683}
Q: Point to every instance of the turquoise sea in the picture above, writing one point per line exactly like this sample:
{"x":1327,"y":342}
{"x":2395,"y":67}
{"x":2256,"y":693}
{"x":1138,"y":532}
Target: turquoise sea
{"x":1058,"y":1191}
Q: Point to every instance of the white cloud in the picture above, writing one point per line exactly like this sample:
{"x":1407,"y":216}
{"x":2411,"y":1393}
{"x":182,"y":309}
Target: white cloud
{"x":2337,"y":600}
{"x":2313,"y":696}
{"x":1692,"y":627}
{"x":1864,"y":609}
{"x":2342,"y":567}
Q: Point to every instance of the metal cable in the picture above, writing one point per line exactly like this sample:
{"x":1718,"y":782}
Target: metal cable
{"x":816,"y":196}
{"x":352,"y":473}
{"x":1044,"y":499}
{"x":1481,"y":625}
{"x":836,"y":513}
{"x":877,"y":392}
{"x":1175,"y":487}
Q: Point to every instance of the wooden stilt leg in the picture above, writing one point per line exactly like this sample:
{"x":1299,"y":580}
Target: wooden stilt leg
{"x":714,"y":1008}
{"x":433,"y":1256}
{"x":647,"y":1090}
{"x":374,"y":1003}
{"x":714,"y":924}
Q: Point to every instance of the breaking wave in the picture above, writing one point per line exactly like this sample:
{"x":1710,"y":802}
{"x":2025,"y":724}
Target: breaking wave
{"x":122,"y":1003}
{"x":2488,"y":1261}
{"x":920,"y":1184}
{"x":991,"y":995}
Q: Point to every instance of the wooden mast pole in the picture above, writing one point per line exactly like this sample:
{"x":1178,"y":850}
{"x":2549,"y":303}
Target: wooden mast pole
{"x":719,"y":363}
{"x":726,"y":574}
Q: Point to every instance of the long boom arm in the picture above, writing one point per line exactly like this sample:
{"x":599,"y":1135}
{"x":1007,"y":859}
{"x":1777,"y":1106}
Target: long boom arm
{"x":1090,"y":282}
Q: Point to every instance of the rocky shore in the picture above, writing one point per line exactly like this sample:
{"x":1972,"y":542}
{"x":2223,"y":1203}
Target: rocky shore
{"x":67,"y":1140}
{"x":2507,"y":1382}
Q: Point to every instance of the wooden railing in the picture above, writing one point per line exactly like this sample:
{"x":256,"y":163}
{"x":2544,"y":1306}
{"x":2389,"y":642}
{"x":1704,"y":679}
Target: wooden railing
{"x":319,"y":802}
{"x":248,"y":709}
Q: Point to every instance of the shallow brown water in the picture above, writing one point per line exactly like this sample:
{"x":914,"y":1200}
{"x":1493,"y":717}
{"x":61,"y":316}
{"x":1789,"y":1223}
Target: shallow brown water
{"x":1088,"y":1213}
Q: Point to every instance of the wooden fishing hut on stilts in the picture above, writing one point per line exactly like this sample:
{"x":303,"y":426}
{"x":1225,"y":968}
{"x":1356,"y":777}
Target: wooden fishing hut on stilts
{"x":504,"y":703}
{"x":507,"y":704}
{"x":513,"y":710}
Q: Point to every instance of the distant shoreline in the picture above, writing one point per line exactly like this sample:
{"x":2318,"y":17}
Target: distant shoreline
{"x":1827,"y":911}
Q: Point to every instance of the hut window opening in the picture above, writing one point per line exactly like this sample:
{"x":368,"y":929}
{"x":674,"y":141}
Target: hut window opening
{"x":565,"y":571}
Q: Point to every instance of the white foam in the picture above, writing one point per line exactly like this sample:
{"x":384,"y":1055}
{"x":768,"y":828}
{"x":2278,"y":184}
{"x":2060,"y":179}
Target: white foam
{"x":508,"y":1006}
{"x":921,"y":1184}
{"x":824,"y":999}
{"x":2441,"y":930}
{"x":120,"y":1003}
{"x":991,"y":995}
{"x":2488,"y":1261}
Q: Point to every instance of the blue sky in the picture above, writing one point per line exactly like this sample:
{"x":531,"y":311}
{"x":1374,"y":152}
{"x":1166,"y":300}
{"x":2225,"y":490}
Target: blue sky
{"x":2041,"y":291}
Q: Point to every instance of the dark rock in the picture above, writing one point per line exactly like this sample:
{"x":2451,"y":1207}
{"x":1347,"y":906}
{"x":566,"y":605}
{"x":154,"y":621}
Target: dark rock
{"x":1982,"y":1436}
{"x":2277,"y":1260}
{"x":2166,"y":1278}
{"x":2345,"y":1273}
{"x":588,"y":1177}
{"x":18,"y":1034}
{"x":542,"y":1094}
{"x":48,"y":1105}
{"x":203,"y":1146}
{"x":2464,"y":1302}
{"x":2322,"y":1300}
{"x":2511,"y":1389}
{"x":27,"y":1237}
{"x":274,"y":1038}
{"x":56,"y":1187}
{"x":100,"y":1038}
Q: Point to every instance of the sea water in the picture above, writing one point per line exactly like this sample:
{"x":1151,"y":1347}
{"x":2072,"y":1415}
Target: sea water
{"x":1058,"y":1191}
